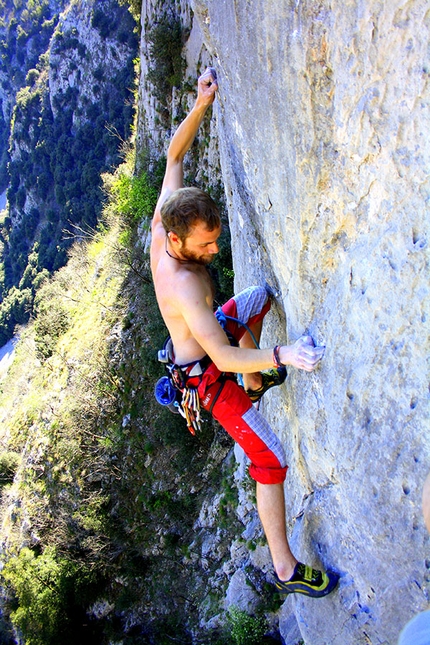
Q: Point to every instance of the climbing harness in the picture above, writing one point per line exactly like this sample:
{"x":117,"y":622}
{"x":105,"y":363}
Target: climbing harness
{"x":172,"y":390}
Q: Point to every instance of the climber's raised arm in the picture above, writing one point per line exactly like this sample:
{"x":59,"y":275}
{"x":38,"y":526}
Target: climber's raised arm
{"x":182,"y":141}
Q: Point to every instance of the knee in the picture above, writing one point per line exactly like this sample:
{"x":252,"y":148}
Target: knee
{"x":259,"y":292}
{"x":256,"y":295}
{"x":252,"y":301}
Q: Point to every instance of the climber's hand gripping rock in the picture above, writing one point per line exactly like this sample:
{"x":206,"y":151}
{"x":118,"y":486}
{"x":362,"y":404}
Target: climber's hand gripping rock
{"x":207,"y":86}
{"x":302,"y":354}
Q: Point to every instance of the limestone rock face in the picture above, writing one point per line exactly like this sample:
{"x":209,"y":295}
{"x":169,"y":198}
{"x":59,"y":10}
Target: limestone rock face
{"x":323,"y":120}
{"x":84,"y":52}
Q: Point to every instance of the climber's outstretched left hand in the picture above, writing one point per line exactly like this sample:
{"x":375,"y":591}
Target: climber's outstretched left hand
{"x":303,"y":354}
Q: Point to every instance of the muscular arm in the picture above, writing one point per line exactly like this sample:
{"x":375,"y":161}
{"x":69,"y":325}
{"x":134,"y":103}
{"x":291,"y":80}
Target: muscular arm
{"x":211,"y":337}
{"x":182,"y":141}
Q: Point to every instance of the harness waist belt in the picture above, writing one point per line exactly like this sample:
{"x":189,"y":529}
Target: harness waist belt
{"x":196,"y":368}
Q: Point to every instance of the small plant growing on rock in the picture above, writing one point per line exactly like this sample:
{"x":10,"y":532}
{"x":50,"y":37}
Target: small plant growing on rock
{"x":165,"y":40}
{"x":9,"y":462}
{"x":246,"y":629}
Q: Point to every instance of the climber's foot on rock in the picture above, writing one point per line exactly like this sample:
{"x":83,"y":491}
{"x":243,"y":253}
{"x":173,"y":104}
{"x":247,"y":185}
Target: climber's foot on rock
{"x":308,"y":581}
{"x":270,"y":378}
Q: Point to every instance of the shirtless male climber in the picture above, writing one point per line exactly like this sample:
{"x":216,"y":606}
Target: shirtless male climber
{"x":185,"y":230}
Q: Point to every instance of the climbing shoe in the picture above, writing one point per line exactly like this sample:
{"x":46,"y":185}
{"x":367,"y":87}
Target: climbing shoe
{"x":272,"y":377}
{"x":308,"y":581}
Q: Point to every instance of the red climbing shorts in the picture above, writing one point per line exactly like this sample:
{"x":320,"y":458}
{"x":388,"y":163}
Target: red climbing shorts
{"x":231,"y":406}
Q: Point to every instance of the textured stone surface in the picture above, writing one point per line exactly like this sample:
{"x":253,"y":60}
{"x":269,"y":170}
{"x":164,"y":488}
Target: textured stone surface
{"x":71,"y":69}
{"x":323,"y":127}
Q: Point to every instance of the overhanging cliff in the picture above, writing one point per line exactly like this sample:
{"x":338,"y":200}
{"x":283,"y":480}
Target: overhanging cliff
{"x":322,"y":120}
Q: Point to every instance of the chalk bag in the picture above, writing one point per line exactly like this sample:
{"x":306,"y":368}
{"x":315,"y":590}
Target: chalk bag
{"x":165,"y":393}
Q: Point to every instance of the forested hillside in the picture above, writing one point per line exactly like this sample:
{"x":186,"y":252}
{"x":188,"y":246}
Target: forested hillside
{"x":68,"y":82}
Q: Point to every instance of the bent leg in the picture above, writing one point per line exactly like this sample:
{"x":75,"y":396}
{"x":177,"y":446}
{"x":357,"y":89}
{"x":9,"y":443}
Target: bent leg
{"x":249,"y":306}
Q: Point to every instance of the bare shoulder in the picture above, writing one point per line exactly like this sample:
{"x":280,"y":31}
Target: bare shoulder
{"x":195,"y":284}
{"x":156,"y":224}
{"x":158,"y":234}
{"x":187,"y":283}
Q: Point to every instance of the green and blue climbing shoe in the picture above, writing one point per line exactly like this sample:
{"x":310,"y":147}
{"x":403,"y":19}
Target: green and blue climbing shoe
{"x":272,"y":377}
{"x":308,"y":581}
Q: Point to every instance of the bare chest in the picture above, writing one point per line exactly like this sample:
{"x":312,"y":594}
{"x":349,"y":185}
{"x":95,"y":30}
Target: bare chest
{"x":170,"y":279}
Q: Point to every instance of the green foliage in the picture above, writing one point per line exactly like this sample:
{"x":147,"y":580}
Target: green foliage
{"x":15,"y":309}
{"x":135,"y":7}
{"x":36,"y":582}
{"x":52,"y":319}
{"x":134,"y":196}
{"x":245,"y":629}
{"x":165,"y":40}
{"x":9,"y":461}
{"x":30,"y":28}
{"x":45,"y":587}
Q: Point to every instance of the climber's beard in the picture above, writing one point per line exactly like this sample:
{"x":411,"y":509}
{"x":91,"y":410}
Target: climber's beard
{"x":203,"y":259}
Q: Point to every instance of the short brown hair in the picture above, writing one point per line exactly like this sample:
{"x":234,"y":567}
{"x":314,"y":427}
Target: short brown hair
{"x":185,"y":208}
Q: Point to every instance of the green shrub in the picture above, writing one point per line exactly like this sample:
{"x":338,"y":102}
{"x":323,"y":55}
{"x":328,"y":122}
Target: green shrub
{"x":9,"y":461}
{"x":166,"y":40}
{"x":14,"y":310}
{"x":48,"y":590}
{"x":245,"y":629}
{"x":52,"y":319}
{"x":36,"y":583}
{"x":134,"y":196}
{"x":135,"y":8}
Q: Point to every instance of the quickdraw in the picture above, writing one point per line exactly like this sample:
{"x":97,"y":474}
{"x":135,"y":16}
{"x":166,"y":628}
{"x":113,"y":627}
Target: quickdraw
{"x":190,"y":409}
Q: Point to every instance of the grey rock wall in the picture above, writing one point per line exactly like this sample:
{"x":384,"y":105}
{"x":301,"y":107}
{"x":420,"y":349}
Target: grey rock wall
{"x":85,"y":65}
{"x":323,"y":120}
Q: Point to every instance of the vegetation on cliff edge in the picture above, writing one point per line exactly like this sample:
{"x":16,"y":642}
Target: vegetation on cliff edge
{"x":107,"y":485}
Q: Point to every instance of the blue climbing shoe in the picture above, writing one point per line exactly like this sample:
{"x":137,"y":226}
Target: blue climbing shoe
{"x":271,"y":378}
{"x":308,"y":581}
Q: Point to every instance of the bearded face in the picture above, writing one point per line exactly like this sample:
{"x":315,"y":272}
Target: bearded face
{"x":200,"y":246}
